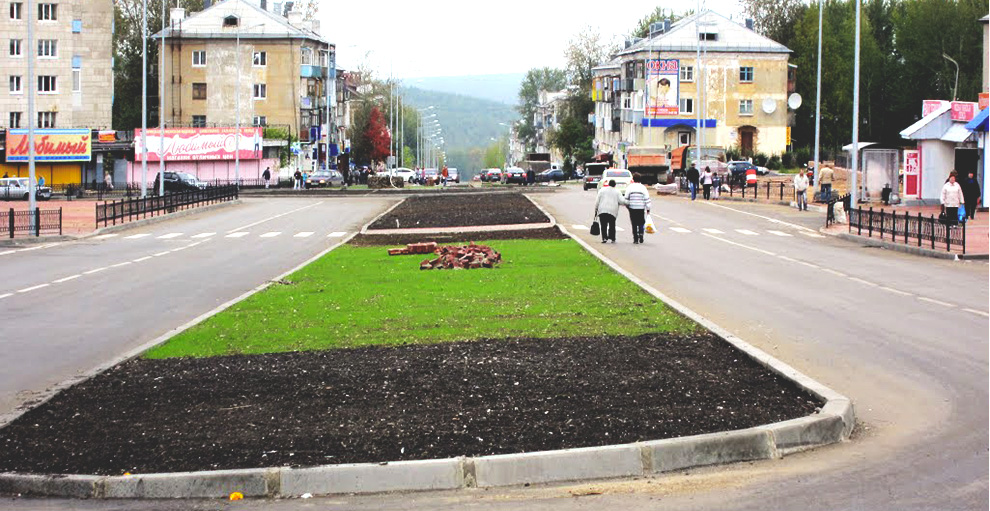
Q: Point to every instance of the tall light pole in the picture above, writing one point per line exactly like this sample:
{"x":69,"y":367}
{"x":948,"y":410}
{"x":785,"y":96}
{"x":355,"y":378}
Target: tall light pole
{"x":30,"y":134}
{"x":144,"y":99}
{"x":818,"y":100}
{"x":161,"y":107}
{"x":855,"y":146}
{"x":956,"y":86}
{"x":237,"y":120}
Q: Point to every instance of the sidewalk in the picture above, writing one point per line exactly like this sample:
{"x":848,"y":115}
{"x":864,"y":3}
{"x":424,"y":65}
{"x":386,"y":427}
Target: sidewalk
{"x":977,"y":230}
{"x":78,"y":216}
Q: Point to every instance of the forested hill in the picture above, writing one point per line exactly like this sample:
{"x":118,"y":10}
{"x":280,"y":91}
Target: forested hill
{"x":466,"y":122}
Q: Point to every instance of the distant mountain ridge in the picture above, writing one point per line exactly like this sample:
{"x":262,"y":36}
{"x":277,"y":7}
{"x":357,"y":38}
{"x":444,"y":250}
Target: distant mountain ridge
{"x":466,"y":121}
{"x":501,"y":88}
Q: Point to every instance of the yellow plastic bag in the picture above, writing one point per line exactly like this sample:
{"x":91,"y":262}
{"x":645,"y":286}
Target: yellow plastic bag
{"x":651,"y":228}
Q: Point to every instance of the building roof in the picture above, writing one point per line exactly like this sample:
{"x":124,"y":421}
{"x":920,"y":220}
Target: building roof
{"x":931,"y":126}
{"x":683,"y":36}
{"x":979,"y":123}
{"x":254,"y":23}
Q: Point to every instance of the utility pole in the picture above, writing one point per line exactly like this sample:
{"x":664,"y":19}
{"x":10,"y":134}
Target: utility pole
{"x":855,"y":144}
{"x":237,"y":121}
{"x":697,"y":85}
{"x":818,"y":100}
{"x":32,"y":200}
{"x":161,"y":107}
{"x":144,"y":98}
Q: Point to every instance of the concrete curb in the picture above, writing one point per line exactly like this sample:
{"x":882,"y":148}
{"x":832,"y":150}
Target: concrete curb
{"x":158,"y":219}
{"x":897,"y":247}
{"x":833,"y":424}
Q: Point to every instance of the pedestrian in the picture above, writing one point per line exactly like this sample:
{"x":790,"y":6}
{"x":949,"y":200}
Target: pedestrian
{"x":606,"y":209}
{"x":692,"y":176}
{"x":801,"y":190}
{"x":41,"y":181}
{"x":716,"y":186}
{"x":637,"y":200}
{"x":825,"y":177}
{"x":706,"y":182}
{"x":267,"y":175}
{"x":444,"y":175}
{"x":531,"y":178}
{"x":952,"y":197}
{"x":108,"y":181}
{"x":297,"y":180}
{"x":305,"y":178}
{"x":971,"y":191}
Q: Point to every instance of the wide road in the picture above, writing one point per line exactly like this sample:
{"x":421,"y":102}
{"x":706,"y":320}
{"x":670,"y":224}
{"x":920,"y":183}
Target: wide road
{"x":70,"y":307}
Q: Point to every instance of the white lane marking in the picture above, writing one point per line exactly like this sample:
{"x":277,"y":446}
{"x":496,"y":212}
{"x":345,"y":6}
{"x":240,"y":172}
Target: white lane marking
{"x":665,"y":219}
{"x":812,"y":234}
{"x":833,"y":272}
{"x":39,"y":247}
{"x":118,"y":265}
{"x":580,"y":227}
{"x":861,"y":281}
{"x":680,"y":229}
{"x":810,"y":265}
{"x":238,"y":234}
{"x":142,"y":259}
{"x":896,"y":291}
{"x":936,"y":302}
{"x":6,"y":295}
{"x":271,"y":234}
{"x":170,"y":235}
{"x":7,"y":252}
{"x":66,"y":279}
{"x":787,"y":258}
{"x":760,"y":250}
{"x":204,"y":235}
{"x":779,"y":233}
{"x":136,"y":236}
{"x":32,"y":288}
{"x":105,"y":236}
{"x":180,"y":248}
{"x":747,"y":232}
{"x":304,"y":234}
{"x":713,"y":231}
{"x":774,"y":220}
{"x":981,"y":313}
{"x":337,"y":234}
{"x":620,"y":229}
{"x":161,"y":253}
{"x":272,"y":218}
{"x":94,"y":270}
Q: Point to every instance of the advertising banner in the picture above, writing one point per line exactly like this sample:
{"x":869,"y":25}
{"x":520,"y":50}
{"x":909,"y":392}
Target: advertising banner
{"x":200,"y":144}
{"x":52,"y":145}
{"x":963,"y":111}
{"x":984,"y":100}
{"x":930,"y":105}
{"x":912,"y":172}
{"x":107,"y":136}
{"x":662,"y":87}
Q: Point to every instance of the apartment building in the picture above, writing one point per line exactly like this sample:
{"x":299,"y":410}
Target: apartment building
{"x":73,"y":63}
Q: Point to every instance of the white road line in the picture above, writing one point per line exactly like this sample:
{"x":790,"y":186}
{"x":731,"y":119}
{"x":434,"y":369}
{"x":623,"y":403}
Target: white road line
{"x":271,"y":234}
{"x":974,"y":311}
{"x":896,"y":291}
{"x":142,"y":259}
{"x":811,"y":234}
{"x":170,"y":235}
{"x":620,"y":229}
{"x":713,"y":231}
{"x":779,"y":233}
{"x":238,"y":234}
{"x":774,"y":220}
{"x":7,"y":252}
{"x":304,"y":234}
{"x":32,"y":288}
{"x":39,"y":247}
{"x":105,"y":236}
{"x":861,"y":281}
{"x":204,"y":235}
{"x":810,"y":265}
{"x":833,"y":272}
{"x":747,"y":232}
{"x":66,"y":279}
{"x":680,"y":229}
{"x":936,"y":302}
{"x":180,"y":248}
{"x":787,"y":258}
{"x":6,"y":295}
{"x":665,"y":219}
{"x":118,"y":265}
{"x":94,"y":270}
{"x":760,"y":250}
{"x":272,"y":218}
{"x":338,"y":234}
{"x":136,"y":236}
{"x":580,"y":227}
{"x":161,"y":253}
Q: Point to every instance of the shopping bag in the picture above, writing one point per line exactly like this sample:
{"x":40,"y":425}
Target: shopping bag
{"x":595,"y":229}
{"x":962,"y":212}
{"x":651,"y":228}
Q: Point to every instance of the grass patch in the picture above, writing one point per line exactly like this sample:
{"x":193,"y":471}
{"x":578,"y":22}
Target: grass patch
{"x":357,"y":296}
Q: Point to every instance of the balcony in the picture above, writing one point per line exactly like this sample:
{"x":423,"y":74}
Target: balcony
{"x":310,"y":71}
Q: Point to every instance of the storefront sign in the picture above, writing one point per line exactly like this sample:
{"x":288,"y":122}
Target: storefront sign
{"x":984,"y":100}
{"x":201,"y":144}
{"x":50,"y":145}
{"x":912,"y":172}
{"x":930,"y":105}
{"x":963,"y":111}
{"x":662,"y":87}
{"x":107,"y":136}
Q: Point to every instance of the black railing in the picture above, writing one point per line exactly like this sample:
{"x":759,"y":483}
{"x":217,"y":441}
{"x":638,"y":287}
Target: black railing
{"x":274,"y":182}
{"x":846,"y":201}
{"x":98,"y":190}
{"x":908,"y":229}
{"x":770,"y":191}
{"x":109,"y":213}
{"x":32,"y":223}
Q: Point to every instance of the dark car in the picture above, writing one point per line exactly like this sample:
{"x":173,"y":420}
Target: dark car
{"x":591,"y":181}
{"x":515,"y":175}
{"x":324,"y":178}
{"x":180,"y":182}
{"x":492,"y":176}
{"x":738,"y":169}
{"x":550,"y":175}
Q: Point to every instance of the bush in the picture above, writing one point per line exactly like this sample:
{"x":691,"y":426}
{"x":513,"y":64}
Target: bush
{"x":733,"y":154}
{"x":787,"y":160}
{"x":760,"y":159}
{"x":773,"y":163}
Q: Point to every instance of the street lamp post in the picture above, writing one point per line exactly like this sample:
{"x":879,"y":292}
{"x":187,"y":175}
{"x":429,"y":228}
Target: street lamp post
{"x":855,"y":144}
{"x":144,"y":99}
{"x":818,"y":100}
{"x":956,"y":86}
{"x":30,"y":85}
{"x":161,"y":107}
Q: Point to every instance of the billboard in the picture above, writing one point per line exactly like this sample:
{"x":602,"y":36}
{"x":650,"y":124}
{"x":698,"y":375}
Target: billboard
{"x":201,"y":144}
{"x":52,"y":145}
{"x":930,"y":105}
{"x":662,"y":87}
{"x":963,"y":111}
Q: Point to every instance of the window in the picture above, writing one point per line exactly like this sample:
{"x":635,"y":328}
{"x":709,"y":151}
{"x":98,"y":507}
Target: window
{"x":707,"y":36}
{"x":260,"y":120}
{"x":746,"y":107}
{"x":230,"y":21}
{"x":15,"y":48}
{"x":260,"y":91}
{"x":77,"y":80}
{"x":746,"y":74}
{"x":46,"y":119}
{"x":199,"y":91}
{"x":76,"y":26}
{"x":199,"y":121}
{"x":47,"y":12}
{"x":199,"y":58}
{"x":15,"y":10}
{"x":15,"y":120}
{"x":307,"y":56}
{"x":260,"y":58}
{"x":686,"y":105}
{"x":687,"y":73}
{"x":15,"y":85}
{"x":48,"y":48}
{"x":47,"y":85}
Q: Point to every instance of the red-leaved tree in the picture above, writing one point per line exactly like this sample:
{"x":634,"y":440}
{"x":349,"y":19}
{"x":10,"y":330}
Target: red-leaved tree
{"x":377,"y":135}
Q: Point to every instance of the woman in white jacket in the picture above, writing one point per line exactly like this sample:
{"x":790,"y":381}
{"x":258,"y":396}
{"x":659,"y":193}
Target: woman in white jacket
{"x":952,"y":197}
{"x":606,"y":209}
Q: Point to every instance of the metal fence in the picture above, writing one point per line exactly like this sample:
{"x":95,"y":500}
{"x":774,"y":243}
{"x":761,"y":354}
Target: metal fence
{"x":109,"y":213}
{"x":846,"y":200}
{"x":778,"y":191}
{"x":32,"y":222}
{"x":908,"y":229}
{"x":97,"y":190}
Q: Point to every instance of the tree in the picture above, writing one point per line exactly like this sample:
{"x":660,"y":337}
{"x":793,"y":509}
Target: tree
{"x":494,"y":156}
{"x":584,"y":51}
{"x":377,"y":136}
{"x":659,"y":14}
{"x":536,"y":80}
{"x":775,"y":19}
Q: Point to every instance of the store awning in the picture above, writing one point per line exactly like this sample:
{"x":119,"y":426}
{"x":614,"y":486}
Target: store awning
{"x":957,"y":133}
{"x":979,"y":123}
{"x":848,"y":147}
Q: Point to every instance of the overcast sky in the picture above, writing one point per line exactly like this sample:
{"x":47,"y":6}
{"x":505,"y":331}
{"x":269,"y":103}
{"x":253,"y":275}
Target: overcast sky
{"x":455,"y":37}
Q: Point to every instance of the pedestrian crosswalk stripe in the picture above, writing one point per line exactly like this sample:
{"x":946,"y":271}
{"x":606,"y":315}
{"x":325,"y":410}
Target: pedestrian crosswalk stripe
{"x":747,"y":232}
{"x":713,"y":231}
{"x":238,"y":234}
{"x":104,"y":236}
{"x":812,"y":235}
{"x":136,"y":236}
{"x":620,"y":229}
{"x":170,"y":235}
{"x":580,"y":227}
{"x":304,"y":234}
{"x":779,"y":233}
{"x":680,"y":229}
{"x":271,"y":234}
{"x":336,"y":234}
{"x":204,"y":235}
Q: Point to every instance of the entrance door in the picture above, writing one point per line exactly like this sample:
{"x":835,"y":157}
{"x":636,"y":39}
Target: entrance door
{"x":684,"y":138}
{"x":966,"y":161}
{"x":746,"y":142}
{"x":912,"y":173}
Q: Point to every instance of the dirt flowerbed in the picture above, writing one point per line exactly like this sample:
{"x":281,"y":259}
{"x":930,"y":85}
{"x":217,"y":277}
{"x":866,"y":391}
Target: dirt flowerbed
{"x":384,"y":404}
{"x":461,"y":211}
{"x":369,"y":240}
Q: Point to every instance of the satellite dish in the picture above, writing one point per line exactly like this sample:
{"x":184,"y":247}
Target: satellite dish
{"x":794,"y":101}
{"x":769,"y":106}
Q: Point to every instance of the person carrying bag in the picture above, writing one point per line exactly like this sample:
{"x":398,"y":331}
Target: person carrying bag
{"x":606,"y":209}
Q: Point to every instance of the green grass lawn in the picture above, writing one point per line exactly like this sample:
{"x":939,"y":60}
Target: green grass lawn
{"x":356,"y":296}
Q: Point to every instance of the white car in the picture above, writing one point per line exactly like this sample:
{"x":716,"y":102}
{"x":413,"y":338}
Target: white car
{"x":621,"y":177}
{"x":14,"y":188}
{"x":406,"y":174}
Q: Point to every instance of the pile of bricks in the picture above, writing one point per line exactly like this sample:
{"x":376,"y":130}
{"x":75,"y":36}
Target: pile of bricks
{"x":414,"y":248}
{"x":462,"y":257}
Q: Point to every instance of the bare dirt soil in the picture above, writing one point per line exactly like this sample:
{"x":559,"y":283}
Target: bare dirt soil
{"x":465,"y":210}
{"x":400,"y":403}
{"x":368,"y":240}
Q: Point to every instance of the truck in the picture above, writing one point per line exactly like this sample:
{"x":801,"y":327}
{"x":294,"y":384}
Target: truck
{"x":650,"y":163}
{"x":681,"y":158}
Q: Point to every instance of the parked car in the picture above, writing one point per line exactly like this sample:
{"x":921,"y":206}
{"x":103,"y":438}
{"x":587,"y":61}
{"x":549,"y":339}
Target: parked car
{"x":407,"y":175}
{"x":324,"y":178}
{"x":594,"y":171}
{"x":492,"y":176}
{"x":621,"y":177}
{"x":738,"y":169}
{"x":515,"y":175}
{"x":180,"y":182}
{"x":550,"y":175}
{"x":16,"y":188}
{"x":453,"y":176}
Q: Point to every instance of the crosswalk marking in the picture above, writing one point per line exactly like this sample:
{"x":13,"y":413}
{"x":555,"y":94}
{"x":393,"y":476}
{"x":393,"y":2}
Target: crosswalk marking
{"x":580,"y":227}
{"x":811,"y":234}
{"x":170,"y":235}
{"x":779,"y":233}
{"x":104,"y":236}
{"x":204,"y":235}
{"x":271,"y":234}
{"x":713,"y":231}
{"x":136,"y":236}
{"x":620,"y":229}
{"x":747,"y":232}
{"x":304,"y":234}
{"x":680,"y":229}
{"x":237,"y":234}
{"x":336,"y":234}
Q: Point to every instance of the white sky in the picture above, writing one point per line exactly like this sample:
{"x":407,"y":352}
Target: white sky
{"x":429,"y":38}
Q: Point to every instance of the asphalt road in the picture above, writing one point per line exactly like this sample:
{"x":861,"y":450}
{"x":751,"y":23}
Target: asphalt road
{"x":905,"y":337}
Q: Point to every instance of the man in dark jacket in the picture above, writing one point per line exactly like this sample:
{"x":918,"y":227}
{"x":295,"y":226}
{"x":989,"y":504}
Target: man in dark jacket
{"x":530,"y":177}
{"x":971,"y":192}
{"x":693,"y":177}
{"x":267,"y":176}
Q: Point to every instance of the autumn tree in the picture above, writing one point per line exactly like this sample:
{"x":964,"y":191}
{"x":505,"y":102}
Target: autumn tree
{"x":377,"y":136}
